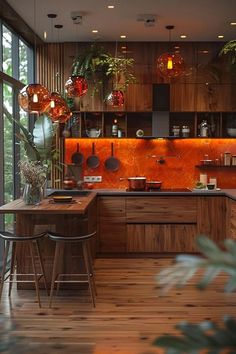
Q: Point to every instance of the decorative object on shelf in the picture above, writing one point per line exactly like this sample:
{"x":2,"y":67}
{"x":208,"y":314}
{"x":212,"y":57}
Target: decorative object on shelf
{"x":204,"y":129}
{"x":139,"y":133}
{"x":185,"y":131}
{"x":58,"y":110}
{"x":176,"y":130}
{"x":115,"y":98}
{"x":76,"y":86}
{"x":34,"y":98}
{"x":93,"y":132}
{"x":170,"y":64}
{"x":34,"y":175}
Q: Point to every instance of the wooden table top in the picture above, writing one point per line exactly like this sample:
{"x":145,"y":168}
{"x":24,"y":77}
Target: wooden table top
{"x":47,"y":206}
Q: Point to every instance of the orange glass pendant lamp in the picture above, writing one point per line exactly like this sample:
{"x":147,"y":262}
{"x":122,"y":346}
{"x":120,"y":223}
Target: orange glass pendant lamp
{"x":58,"y":110}
{"x":116,"y":98}
{"x":170,"y":64}
{"x":76,"y":86}
{"x":34,"y":98}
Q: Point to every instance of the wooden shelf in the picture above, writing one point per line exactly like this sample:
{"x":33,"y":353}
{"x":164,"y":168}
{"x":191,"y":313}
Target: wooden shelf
{"x":214,"y":166}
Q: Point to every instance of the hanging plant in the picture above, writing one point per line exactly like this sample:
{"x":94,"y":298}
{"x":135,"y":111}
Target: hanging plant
{"x":230,"y":49}
{"x":98,"y":66}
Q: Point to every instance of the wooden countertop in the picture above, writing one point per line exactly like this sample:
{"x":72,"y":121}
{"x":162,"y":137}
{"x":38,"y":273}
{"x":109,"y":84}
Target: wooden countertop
{"x":79,"y":206}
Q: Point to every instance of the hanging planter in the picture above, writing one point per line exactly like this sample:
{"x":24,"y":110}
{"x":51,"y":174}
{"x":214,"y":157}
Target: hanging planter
{"x":76,"y":86}
{"x":116,"y":98}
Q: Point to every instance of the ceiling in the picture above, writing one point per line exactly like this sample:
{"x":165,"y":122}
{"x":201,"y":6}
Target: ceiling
{"x":199,"y":20}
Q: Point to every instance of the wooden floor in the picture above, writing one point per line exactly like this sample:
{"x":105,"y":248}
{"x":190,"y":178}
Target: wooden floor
{"x":129,"y":314}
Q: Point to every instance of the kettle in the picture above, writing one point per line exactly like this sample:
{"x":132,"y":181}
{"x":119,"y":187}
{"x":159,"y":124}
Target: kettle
{"x":93,"y":132}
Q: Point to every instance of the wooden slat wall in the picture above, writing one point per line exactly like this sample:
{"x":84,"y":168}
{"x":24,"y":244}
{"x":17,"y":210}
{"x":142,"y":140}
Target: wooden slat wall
{"x":50,"y":73}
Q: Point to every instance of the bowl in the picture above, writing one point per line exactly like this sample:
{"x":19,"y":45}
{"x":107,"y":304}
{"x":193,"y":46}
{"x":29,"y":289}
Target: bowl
{"x":153,"y":185}
{"x":231,"y":131}
{"x":210,"y":186}
{"x":62,"y":198}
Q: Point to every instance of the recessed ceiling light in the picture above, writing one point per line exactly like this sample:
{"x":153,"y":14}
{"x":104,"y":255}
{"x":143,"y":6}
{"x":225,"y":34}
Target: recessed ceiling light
{"x":205,"y":51}
{"x":45,"y":35}
{"x":95,"y":31}
{"x":124,"y":47}
{"x":220,"y":36}
{"x":183,"y":36}
{"x":123,"y":36}
{"x":233,"y":23}
{"x":110,"y":6}
{"x":176,"y":47}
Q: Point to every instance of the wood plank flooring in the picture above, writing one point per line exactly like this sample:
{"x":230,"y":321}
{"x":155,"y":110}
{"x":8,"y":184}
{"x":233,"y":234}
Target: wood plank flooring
{"x":129,"y":311}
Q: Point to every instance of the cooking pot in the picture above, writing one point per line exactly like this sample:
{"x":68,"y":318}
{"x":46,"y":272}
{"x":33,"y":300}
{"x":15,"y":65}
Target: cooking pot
{"x":136,"y":183}
{"x":155,"y":185}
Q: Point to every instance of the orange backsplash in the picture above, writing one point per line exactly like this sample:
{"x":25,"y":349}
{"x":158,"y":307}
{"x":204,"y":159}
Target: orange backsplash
{"x":140,"y":158}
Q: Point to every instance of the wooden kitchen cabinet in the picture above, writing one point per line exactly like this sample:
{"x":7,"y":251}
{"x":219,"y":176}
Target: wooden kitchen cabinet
{"x":231,"y":230}
{"x":111,"y":225}
{"x":212,"y":220}
{"x":148,"y":238}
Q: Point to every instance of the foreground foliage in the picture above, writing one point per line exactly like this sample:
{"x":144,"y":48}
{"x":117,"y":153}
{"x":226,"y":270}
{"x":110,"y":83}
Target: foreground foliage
{"x":205,"y":337}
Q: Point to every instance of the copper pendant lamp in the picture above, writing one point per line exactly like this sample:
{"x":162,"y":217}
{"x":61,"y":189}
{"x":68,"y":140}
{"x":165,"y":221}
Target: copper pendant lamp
{"x":34,"y":98}
{"x":116,"y":98}
{"x":58,"y":109}
{"x":76,"y":86}
{"x":170,"y":64}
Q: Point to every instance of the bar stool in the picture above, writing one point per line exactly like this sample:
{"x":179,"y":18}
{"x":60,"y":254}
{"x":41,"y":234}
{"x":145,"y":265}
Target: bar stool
{"x":87,"y":258}
{"x":10,"y":238}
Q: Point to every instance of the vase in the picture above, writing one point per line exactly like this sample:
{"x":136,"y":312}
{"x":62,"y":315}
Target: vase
{"x":32,"y":195}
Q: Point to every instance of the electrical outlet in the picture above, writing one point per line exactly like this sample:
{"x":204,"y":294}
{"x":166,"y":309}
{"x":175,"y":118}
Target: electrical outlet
{"x":92,"y":179}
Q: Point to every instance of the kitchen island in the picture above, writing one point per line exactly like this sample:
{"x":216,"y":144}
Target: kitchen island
{"x":69,"y":219}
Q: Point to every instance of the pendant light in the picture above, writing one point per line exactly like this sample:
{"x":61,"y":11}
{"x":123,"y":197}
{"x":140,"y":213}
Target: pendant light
{"x":170,"y":64}
{"x":116,"y":97}
{"x":58,"y":109}
{"x":34,"y":98}
{"x":76,"y":85}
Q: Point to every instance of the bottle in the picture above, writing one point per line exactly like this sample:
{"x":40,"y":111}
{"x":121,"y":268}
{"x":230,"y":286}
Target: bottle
{"x":203,"y":129}
{"x":203,"y":178}
{"x":114,"y":128}
{"x":233,"y":160}
{"x":176,"y":130}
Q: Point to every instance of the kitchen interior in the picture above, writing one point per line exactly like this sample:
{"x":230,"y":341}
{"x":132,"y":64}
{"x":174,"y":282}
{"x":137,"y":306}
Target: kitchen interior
{"x":145,"y":167}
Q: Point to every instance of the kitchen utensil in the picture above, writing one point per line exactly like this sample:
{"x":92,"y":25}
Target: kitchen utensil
{"x":93,"y":132}
{"x":112,"y":163}
{"x":136,"y":183}
{"x":77,"y":158}
{"x":93,"y":160}
{"x":153,"y":185}
{"x":69,"y":182}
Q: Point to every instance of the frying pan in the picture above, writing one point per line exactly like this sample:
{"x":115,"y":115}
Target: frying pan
{"x":112,"y":163}
{"x":77,"y":158}
{"x":93,"y":160}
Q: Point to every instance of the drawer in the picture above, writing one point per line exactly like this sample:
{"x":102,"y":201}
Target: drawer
{"x":161,"y":209}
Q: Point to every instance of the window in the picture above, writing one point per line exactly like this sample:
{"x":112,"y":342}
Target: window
{"x":16,"y":71}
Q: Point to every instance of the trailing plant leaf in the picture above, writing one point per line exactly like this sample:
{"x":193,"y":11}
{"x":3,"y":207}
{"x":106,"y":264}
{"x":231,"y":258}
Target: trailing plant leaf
{"x":43,"y":134}
{"x":197,"y":337}
{"x":230,"y":49}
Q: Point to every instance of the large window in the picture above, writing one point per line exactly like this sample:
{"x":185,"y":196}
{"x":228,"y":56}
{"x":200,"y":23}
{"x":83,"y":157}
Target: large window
{"x":16,"y":68}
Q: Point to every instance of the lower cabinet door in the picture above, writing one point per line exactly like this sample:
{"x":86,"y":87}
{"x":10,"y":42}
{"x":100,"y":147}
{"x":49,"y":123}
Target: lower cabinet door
{"x":161,"y":237}
{"x":112,"y":236}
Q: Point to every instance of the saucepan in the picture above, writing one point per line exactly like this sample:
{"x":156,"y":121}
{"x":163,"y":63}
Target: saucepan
{"x":136,"y":183}
{"x":154,"y":185}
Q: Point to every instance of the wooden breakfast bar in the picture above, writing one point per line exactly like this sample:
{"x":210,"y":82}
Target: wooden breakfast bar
{"x":68,"y":219}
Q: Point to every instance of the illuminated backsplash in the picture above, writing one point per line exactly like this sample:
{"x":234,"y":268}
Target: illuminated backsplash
{"x":140,"y":158}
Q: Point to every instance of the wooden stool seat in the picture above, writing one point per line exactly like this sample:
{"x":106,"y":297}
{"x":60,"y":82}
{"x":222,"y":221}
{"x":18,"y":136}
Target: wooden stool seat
{"x":32,"y":241}
{"x":87,"y":258}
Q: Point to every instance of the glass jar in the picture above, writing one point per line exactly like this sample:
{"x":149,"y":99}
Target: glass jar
{"x":176,"y":130}
{"x":185,"y":131}
{"x":204,"y":129}
{"x":32,"y":195}
{"x":227,"y":158}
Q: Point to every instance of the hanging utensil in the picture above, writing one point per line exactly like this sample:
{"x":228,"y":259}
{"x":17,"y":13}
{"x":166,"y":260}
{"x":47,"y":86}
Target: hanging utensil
{"x":112,"y":163}
{"x":77,"y":158}
{"x":93,"y":160}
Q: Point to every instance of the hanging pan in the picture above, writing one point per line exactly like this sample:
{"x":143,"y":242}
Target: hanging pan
{"x":112,"y":163}
{"x":93,"y":160}
{"x":77,"y":158}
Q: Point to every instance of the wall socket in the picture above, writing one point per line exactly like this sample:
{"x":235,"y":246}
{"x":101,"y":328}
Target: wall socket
{"x":92,"y":179}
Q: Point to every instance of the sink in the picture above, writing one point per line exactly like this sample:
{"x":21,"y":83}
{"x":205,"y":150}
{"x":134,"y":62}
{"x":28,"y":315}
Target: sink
{"x":70,"y":193}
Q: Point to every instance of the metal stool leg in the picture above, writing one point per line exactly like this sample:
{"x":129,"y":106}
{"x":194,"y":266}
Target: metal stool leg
{"x":4,"y":266}
{"x":85,"y":254}
{"x":42,"y":266}
{"x":54,"y":272}
{"x":91,"y":267}
{"x":35,"y":273}
{"x":13,"y":263}
{"x":61,"y":254}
